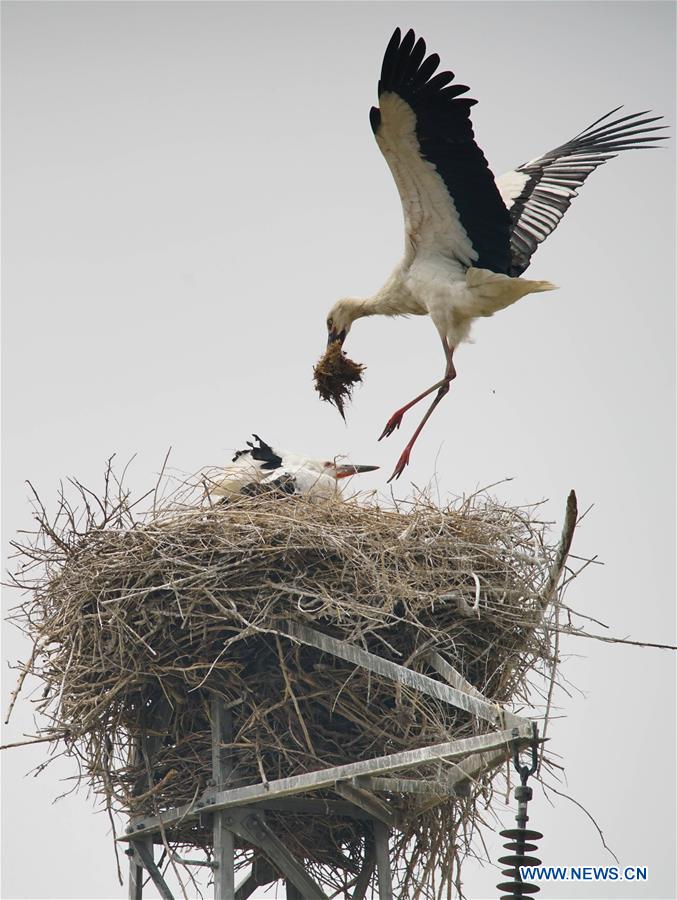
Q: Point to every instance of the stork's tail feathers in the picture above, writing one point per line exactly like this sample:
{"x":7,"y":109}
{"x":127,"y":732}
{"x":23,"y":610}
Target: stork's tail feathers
{"x":536,"y":286}
{"x":491,"y":291}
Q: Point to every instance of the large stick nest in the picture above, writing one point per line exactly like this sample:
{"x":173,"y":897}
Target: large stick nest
{"x":139,"y":619}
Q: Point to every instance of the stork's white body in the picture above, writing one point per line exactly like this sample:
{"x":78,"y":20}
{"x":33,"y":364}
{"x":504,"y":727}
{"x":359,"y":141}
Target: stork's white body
{"x":308,"y":478}
{"x":451,"y":294}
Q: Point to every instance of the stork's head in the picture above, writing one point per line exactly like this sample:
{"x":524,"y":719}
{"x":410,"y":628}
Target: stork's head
{"x":341,"y":316}
{"x":332,"y":467}
{"x":344,"y":470}
{"x":318,"y":477}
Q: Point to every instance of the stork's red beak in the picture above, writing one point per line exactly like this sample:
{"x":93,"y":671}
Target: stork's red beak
{"x":334,"y":336}
{"x":347,"y":471}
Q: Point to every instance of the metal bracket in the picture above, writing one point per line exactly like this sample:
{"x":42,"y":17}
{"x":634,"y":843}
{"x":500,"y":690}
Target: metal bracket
{"x":364,"y":799}
{"x":144,"y":849}
{"x":250,"y":824}
{"x":192,"y":862}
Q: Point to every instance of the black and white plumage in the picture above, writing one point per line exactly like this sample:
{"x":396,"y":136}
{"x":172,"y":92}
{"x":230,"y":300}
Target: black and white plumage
{"x":538,"y":193}
{"x":260,"y":468}
{"x":468,"y":237}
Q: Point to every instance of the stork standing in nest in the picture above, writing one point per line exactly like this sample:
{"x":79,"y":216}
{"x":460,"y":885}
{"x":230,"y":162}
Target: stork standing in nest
{"x":260,"y":468}
{"x":469,"y":237}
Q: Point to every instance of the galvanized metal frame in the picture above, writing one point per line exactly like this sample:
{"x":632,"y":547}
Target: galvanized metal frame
{"x":224,"y":839}
{"x":241,"y":811}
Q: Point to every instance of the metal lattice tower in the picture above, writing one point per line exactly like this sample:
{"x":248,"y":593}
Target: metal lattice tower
{"x":362,"y":787}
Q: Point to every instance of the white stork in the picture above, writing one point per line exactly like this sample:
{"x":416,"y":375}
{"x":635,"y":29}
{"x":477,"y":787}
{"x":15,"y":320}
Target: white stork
{"x":260,"y":468}
{"x":469,"y":237}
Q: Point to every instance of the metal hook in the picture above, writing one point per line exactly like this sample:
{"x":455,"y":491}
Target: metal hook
{"x":526,"y":771}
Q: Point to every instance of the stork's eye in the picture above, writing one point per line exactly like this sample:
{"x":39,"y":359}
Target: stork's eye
{"x":330,"y":324}
{"x":328,"y":465}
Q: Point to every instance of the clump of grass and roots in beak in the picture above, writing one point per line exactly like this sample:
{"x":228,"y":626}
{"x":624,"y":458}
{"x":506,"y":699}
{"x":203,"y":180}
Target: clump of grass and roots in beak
{"x":336,"y":375}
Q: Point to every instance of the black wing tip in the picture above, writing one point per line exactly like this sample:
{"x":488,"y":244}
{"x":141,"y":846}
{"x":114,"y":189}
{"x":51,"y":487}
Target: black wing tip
{"x":374,"y":118}
{"x":407,"y":70}
{"x":262,"y":453}
{"x":633,"y":131}
{"x":622,"y":125}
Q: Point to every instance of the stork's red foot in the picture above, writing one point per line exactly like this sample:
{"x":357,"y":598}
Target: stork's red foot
{"x":393,"y":423}
{"x":402,"y":463}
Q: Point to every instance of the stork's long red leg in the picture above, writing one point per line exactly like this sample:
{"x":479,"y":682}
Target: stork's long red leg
{"x":395,"y":420}
{"x":443,"y":389}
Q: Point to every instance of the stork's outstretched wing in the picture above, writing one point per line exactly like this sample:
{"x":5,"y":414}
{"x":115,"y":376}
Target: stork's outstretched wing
{"x":450,"y":200}
{"x":538,"y":193}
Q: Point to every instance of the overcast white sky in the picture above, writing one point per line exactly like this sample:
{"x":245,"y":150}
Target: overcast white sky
{"x":187,"y":189}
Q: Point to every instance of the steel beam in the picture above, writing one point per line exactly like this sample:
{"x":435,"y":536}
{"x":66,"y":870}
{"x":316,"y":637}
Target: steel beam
{"x":461,"y":773}
{"x":367,"y":870}
{"x":473,"y":766}
{"x":325,"y":778}
{"x":246,"y":888}
{"x":482,"y":708}
{"x":250,"y":824}
{"x":135,"y":883}
{"x":224,"y":843}
{"x":406,"y":786}
{"x":456,"y":680}
{"x":382,"y":845}
{"x":262,"y":873}
{"x":145,"y":851}
{"x":364,"y":799}
{"x":313,"y":807}
{"x":452,"y":675}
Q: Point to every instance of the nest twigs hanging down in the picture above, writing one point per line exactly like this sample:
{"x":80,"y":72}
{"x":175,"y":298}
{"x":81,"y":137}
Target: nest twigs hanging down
{"x":138,"y":620}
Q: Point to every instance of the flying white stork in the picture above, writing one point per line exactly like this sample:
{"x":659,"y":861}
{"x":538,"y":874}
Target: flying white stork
{"x":260,"y":468}
{"x":468,"y":237}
